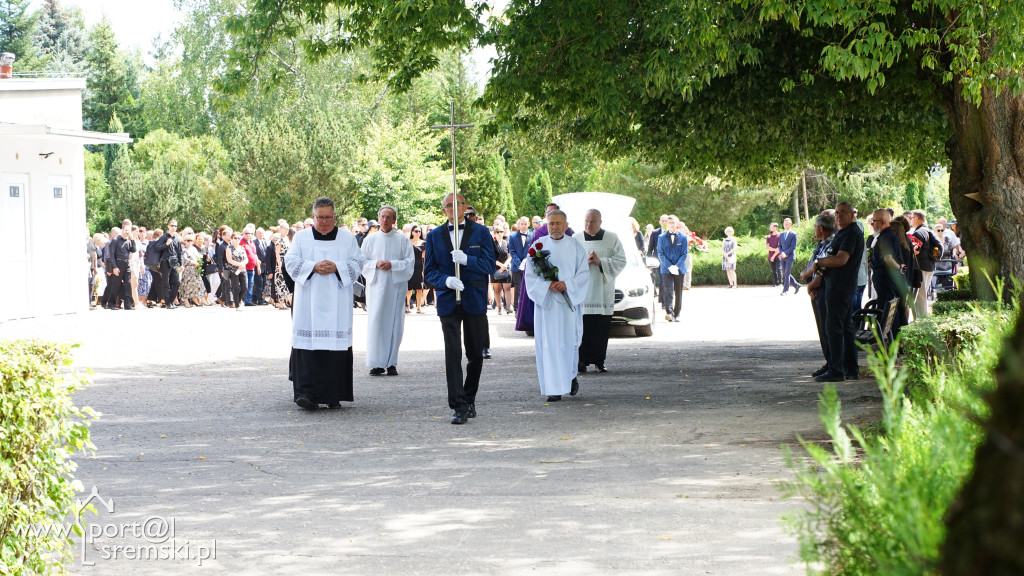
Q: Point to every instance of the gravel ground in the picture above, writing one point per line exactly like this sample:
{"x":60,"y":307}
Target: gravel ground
{"x":667,"y":464}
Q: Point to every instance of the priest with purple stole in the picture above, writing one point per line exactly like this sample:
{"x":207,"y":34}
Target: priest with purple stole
{"x":325,"y":262}
{"x":524,"y":309}
{"x":558,"y":306}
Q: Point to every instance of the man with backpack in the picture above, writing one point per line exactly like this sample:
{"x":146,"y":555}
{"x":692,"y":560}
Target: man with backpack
{"x":927,"y":255}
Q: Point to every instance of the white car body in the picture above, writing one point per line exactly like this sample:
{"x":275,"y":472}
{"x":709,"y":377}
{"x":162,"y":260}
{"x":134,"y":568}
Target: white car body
{"x":634,"y":290}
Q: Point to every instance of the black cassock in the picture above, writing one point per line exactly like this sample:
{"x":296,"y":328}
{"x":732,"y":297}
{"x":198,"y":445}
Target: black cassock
{"x":323,"y":376}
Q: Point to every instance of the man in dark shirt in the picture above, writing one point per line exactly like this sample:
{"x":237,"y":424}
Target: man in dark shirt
{"x":120,"y":250}
{"x":887,"y":266}
{"x":839,"y":270}
{"x":169,"y":247}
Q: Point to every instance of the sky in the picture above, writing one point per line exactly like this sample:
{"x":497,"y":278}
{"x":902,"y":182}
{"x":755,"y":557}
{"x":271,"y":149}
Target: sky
{"x":136,"y":22}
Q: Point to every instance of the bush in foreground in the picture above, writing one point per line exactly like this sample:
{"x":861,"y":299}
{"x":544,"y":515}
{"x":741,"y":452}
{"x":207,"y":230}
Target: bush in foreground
{"x":40,"y":429}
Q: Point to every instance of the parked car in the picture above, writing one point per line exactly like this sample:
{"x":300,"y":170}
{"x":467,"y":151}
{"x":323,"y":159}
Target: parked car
{"x":634,"y":290}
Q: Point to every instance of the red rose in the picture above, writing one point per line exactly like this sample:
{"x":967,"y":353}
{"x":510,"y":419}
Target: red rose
{"x":531,"y":252}
{"x":539,"y":245}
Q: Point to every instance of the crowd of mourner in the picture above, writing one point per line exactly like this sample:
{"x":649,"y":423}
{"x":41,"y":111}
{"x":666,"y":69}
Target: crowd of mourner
{"x":558,"y":283}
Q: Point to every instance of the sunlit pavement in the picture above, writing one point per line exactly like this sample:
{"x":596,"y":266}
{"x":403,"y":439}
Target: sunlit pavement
{"x":667,"y":464}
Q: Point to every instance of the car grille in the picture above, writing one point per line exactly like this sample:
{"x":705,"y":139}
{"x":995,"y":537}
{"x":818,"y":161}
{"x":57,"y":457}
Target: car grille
{"x":618,"y":296}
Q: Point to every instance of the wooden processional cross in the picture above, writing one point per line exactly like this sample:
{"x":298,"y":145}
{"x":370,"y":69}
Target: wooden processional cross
{"x":455,"y":187}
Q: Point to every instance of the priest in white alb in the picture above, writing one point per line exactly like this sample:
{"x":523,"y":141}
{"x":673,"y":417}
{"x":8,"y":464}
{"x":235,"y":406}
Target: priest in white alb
{"x":607,"y":259}
{"x":389,"y":266}
{"x":558,"y":314}
{"x":325,"y":262}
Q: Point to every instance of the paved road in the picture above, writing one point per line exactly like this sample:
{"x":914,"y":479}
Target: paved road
{"x":668,"y":464}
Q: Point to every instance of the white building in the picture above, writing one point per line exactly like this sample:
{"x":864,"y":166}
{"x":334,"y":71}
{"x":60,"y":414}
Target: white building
{"x":43,"y":262}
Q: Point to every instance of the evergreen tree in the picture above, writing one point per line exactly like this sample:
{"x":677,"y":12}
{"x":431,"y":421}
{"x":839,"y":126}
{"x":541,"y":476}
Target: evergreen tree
{"x":106,"y":87}
{"x":62,"y":38}
{"x":537,"y":195}
{"x":488,"y":189}
{"x":19,"y":29}
{"x":111,"y":152}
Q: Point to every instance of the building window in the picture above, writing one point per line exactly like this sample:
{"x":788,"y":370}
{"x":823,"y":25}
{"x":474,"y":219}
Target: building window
{"x":15,"y":191}
{"x":58,"y":192}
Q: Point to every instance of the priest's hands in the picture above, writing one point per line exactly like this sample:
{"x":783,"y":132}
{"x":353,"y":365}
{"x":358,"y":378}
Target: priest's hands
{"x":454,"y":283}
{"x":383,"y":265}
{"x":459,"y":257}
{"x":325,"y":267}
{"x":593,"y":259}
{"x":557,"y":286}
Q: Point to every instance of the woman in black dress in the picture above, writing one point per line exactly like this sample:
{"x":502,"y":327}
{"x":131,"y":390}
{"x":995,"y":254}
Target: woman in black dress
{"x":416,"y":282}
{"x":501,"y":280}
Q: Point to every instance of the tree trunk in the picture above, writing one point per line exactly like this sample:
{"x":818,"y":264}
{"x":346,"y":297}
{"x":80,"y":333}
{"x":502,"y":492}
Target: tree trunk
{"x":986,"y":185}
{"x":985,"y":525}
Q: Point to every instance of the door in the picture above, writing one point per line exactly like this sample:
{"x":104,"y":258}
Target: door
{"x":14,"y":246}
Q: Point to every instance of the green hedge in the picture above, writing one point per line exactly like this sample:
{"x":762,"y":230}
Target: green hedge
{"x":40,"y":428}
{"x":752,"y":266}
{"x":960,"y":295}
{"x":955,"y":306}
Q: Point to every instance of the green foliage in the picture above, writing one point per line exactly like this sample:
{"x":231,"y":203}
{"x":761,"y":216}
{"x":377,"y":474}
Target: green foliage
{"x":960,"y":294}
{"x":951,"y":307}
{"x":97,"y":195}
{"x":107,"y":85}
{"x":536,"y":195}
{"x":878,"y":505}
{"x":393,"y":167}
{"x":61,"y":36}
{"x":40,"y":429}
{"x":963,"y":282}
{"x":487,"y":187}
{"x":19,"y":28}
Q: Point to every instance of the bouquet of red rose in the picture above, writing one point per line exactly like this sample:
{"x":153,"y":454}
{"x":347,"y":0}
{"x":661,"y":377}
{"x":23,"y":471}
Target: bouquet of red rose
{"x":545,"y":269}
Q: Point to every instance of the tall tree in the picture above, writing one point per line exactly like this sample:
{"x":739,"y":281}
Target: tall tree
{"x":747,"y":89}
{"x":107,"y":90}
{"x":19,"y":31}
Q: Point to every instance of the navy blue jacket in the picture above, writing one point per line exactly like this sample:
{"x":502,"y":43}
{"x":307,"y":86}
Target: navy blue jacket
{"x":673,"y":253}
{"x":787,"y":243}
{"x":475,"y":275}
{"x":518,"y":249}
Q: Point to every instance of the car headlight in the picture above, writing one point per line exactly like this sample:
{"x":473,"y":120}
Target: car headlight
{"x":637,"y":292}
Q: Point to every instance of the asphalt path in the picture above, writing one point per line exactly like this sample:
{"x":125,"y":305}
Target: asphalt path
{"x":667,"y":464}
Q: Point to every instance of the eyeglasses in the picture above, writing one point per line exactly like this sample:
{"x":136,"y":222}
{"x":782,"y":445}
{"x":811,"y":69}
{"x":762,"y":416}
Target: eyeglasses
{"x":470,"y":215}
{"x":172,"y":225}
{"x":325,"y":218}
{"x":417,"y":230}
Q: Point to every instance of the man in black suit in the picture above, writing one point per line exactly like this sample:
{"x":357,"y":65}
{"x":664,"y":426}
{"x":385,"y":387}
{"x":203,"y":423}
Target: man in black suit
{"x":169,"y":248}
{"x":120,"y":250}
{"x":260,"y":278}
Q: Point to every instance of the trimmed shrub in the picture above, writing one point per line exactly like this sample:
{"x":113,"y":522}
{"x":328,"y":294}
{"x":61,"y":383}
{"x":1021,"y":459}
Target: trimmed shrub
{"x":954,"y":295}
{"x":940,"y":337}
{"x":40,"y":428}
{"x":954,"y":306}
{"x":963,"y":279}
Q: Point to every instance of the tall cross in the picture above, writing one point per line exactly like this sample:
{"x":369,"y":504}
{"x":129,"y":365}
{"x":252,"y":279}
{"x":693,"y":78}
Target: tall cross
{"x":455,"y":186}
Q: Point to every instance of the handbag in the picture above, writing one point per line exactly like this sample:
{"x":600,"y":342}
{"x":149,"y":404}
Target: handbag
{"x":501,"y":274}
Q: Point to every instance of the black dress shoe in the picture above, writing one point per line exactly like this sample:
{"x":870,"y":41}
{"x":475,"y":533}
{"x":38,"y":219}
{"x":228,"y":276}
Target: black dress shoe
{"x":305,"y":403}
{"x":820,"y":371}
{"x":557,"y":398}
{"x":376,"y":372}
{"x":392,"y":371}
{"x":575,"y":387}
{"x":797,"y":289}
{"x":487,"y":353}
{"x":854,"y":376}
{"x":460,"y":417}
{"x":830,"y":376}
{"x":601,"y":368}
{"x":471,"y":413}
{"x":334,"y":405}
{"x":581,"y":369}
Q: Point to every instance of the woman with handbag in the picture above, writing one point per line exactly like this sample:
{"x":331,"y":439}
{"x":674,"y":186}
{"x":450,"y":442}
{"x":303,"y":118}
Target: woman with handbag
{"x":729,"y":256}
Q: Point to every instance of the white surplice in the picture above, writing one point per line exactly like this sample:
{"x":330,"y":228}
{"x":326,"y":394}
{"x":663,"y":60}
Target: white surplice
{"x":601,"y":294}
{"x":322,"y":303}
{"x":558,"y":329}
{"x":385,"y":295}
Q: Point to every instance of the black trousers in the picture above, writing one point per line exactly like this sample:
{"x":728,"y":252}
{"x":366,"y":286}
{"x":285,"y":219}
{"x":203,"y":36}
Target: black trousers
{"x":594,"y":347}
{"x":839,"y":330}
{"x":471,"y":329}
{"x":156,"y":285}
{"x":672,"y":292}
{"x":170,"y":279}
{"x":110,"y":292}
{"x":123,"y":290}
{"x":233,"y":288}
{"x":818,"y":305}
{"x":885,"y":290}
{"x":517,"y":284}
